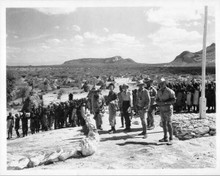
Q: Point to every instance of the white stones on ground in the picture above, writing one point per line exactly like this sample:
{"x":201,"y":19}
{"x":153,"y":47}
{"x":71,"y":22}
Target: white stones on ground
{"x":19,"y":164}
{"x":187,"y":126}
{"x":66,"y":155}
{"x":88,"y":146}
{"x":37,"y":160}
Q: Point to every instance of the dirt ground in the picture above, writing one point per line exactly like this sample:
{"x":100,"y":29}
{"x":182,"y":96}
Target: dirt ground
{"x":120,"y":150}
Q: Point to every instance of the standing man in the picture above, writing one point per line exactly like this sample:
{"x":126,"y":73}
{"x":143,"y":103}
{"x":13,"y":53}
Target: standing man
{"x":151,"y":111}
{"x":112,"y":106}
{"x":142,"y":103}
{"x":120,"y":100}
{"x":24,"y":121}
{"x":17,"y":124}
{"x":126,"y":106}
{"x":98,"y":107}
{"x":165,"y":99}
{"x":10,"y":125}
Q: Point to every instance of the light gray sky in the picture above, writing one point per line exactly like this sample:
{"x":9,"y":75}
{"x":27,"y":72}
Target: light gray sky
{"x":145,"y":34}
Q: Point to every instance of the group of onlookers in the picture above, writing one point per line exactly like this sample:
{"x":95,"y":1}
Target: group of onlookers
{"x":144,"y":102}
{"x":188,"y":95}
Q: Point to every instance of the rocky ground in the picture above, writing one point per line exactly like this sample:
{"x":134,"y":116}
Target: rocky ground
{"x":120,"y":150}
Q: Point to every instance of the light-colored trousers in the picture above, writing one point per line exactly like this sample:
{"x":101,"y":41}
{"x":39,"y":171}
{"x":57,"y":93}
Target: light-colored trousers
{"x":143,"y":116}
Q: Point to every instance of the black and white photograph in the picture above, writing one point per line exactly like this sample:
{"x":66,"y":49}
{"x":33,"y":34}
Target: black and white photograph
{"x":109,"y":87}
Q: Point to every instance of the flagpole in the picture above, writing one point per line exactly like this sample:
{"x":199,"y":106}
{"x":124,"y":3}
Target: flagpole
{"x":202,"y":109}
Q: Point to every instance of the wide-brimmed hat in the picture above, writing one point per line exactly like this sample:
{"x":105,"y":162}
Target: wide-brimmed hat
{"x":161,"y":80}
{"x":125,"y":85}
{"x":111,"y":84}
{"x":147,"y":80}
{"x":96,"y":89}
{"x":140,"y":82}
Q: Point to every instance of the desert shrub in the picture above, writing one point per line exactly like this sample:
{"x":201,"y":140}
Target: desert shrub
{"x":10,"y":83}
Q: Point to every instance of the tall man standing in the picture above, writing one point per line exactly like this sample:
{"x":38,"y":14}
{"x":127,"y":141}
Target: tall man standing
{"x":98,"y":107}
{"x":150,"y":113}
{"x":17,"y":124}
{"x":126,"y":106}
{"x":165,"y":99}
{"x":142,"y":103}
{"x":10,"y":125}
{"x":112,"y":106}
{"x":120,"y":100}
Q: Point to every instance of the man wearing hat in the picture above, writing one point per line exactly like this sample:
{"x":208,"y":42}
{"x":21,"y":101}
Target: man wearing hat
{"x":142,"y":103}
{"x":120,"y":100}
{"x":10,"y":124}
{"x":126,"y":106}
{"x":165,"y":99}
{"x":98,"y":107}
{"x":153,"y":92}
{"x":112,"y":106}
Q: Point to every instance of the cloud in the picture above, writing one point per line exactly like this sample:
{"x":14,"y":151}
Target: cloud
{"x":56,"y":11}
{"x":171,"y":41}
{"x":57,"y":27}
{"x":106,"y":30}
{"x":76,"y":28}
{"x":174,"y":35}
{"x":172,"y":16}
{"x":53,"y":41}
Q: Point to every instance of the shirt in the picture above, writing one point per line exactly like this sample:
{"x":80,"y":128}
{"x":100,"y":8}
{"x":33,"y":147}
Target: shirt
{"x":164,"y":96}
{"x":143,"y":98}
{"x":126,"y":96}
{"x":153,"y":92}
{"x":111,"y":97}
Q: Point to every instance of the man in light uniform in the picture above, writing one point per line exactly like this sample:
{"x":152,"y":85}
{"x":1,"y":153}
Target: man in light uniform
{"x":165,"y":99}
{"x":151,"y":111}
{"x":142,"y":103}
{"x":98,"y":107}
{"x":126,"y":106}
{"x":112,"y":102}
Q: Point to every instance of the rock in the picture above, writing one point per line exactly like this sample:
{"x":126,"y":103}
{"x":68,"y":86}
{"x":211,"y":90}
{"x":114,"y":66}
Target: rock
{"x":93,"y":135}
{"x":201,"y":130}
{"x":52,"y":157}
{"x":188,"y":136}
{"x":88,"y":147}
{"x":19,"y":164}
{"x":66,"y":155}
{"x":135,"y":122}
{"x":36,"y":160}
{"x":212,"y":131}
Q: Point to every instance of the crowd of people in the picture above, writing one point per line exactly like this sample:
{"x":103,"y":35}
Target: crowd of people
{"x":188,"y":94}
{"x":144,"y":102}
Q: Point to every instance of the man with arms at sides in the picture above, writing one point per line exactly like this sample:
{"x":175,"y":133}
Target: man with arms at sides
{"x":112,"y":101}
{"x":165,"y":99}
{"x":151,"y":111}
{"x":142,"y":103}
{"x":126,"y":106}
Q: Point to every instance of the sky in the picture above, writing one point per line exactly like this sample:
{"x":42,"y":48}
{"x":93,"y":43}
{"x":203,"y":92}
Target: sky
{"x":49,"y":36}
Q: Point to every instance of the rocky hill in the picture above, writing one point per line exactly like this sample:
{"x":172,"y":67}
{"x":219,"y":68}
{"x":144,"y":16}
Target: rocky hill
{"x":110,"y":60}
{"x":187,"y":58}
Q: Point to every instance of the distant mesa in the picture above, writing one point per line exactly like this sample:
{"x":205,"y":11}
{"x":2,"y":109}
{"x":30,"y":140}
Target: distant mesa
{"x":187,"y":58}
{"x":110,"y":60}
